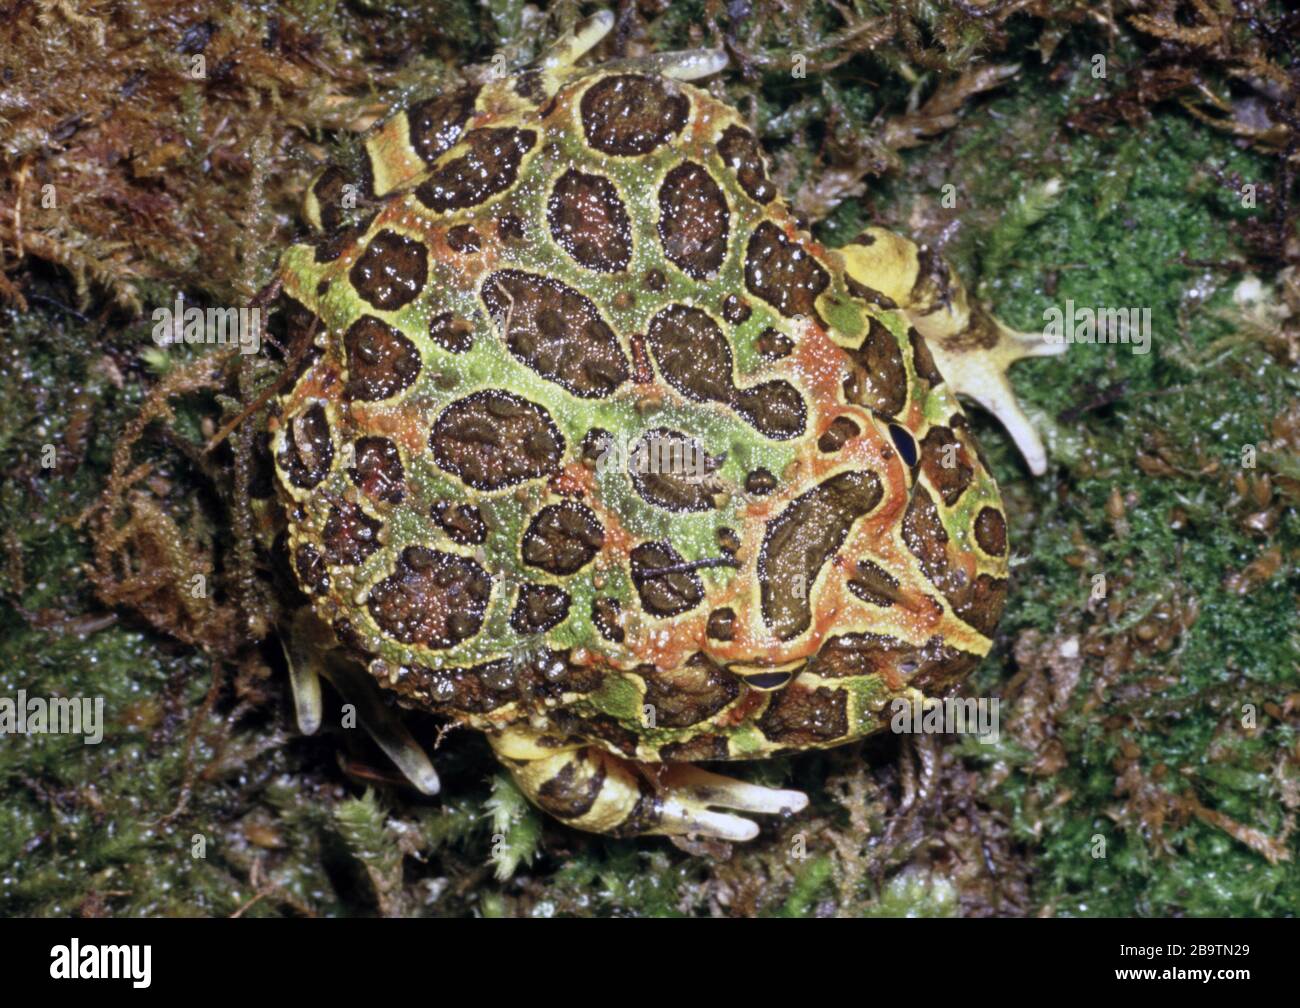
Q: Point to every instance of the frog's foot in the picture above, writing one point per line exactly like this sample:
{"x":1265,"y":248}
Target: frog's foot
{"x":383,"y":724}
{"x":971,"y":348}
{"x":974,"y":360}
{"x":594,"y":790}
{"x":307,"y":650}
{"x":684,"y":64}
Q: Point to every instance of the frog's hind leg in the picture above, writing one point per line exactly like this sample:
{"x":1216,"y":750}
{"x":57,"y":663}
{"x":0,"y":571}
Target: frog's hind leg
{"x":971,"y":348}
{"x":594,"y":790}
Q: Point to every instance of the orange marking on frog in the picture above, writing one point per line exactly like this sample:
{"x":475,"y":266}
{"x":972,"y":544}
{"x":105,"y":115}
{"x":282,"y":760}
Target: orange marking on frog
{"x":669,"y":647}
{"x":645,"y":644}
{"x":618,"y":541}
{"x":826,"y":257}
{"x":400,"y":424}
{"x":462,"y":265}
{"x":869,"y":450}
{"x":750,"y":703}
{"x":821,"y":365}
{"x":496,"y":106}
{"x":963,"y":560}
{"x":574,"y":480}
{"x":317,"y":383}
{"x":701,"y":129}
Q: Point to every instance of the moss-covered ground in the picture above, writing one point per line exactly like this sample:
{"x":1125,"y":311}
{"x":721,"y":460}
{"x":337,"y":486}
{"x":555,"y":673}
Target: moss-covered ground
{"x":1148,"y":664}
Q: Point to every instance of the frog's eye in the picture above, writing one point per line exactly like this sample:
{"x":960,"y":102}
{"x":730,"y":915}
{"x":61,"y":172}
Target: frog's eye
{"x":768,"y":677}
{"x":905,"y":443}
{"x":768,"y":680}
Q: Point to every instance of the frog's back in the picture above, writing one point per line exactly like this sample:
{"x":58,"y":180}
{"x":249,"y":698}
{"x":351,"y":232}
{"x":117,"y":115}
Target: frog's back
{"x":548,"y":287}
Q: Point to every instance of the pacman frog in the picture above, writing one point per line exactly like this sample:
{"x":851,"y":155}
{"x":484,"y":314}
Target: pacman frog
{"x":592,"y":448}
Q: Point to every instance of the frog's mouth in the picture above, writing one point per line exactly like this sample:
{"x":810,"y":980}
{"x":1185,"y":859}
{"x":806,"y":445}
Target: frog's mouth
{"x":766,"y":678}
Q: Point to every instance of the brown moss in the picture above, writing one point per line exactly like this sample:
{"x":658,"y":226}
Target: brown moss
{"x":164,"y":143}
{"x":144,"y":558}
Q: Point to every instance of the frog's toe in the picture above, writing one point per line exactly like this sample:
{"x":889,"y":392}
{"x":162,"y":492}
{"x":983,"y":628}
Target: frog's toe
{"x":304,"y":683}
{"x":683,"y":65}
{"x":581,"y":39}
{"x":386,"y":728}
{"x":301,"y":654}
{"x":384,"y":725}
{"x":690,"y":794}
{"x":705,"y":788}
{"x":684,"y":819}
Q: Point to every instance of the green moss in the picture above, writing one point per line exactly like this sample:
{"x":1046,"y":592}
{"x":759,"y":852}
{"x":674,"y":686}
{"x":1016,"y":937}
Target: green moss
{"x":915,"y":894}
{"x":516,"y":827}
{"x":811,"y":880}
{"x":1130,"y":211}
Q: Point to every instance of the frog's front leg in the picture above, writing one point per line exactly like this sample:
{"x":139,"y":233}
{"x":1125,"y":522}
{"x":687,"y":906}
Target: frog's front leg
{"x":971,"y":348}
{"x":684,"y":64}
{"x":592,"y":789}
